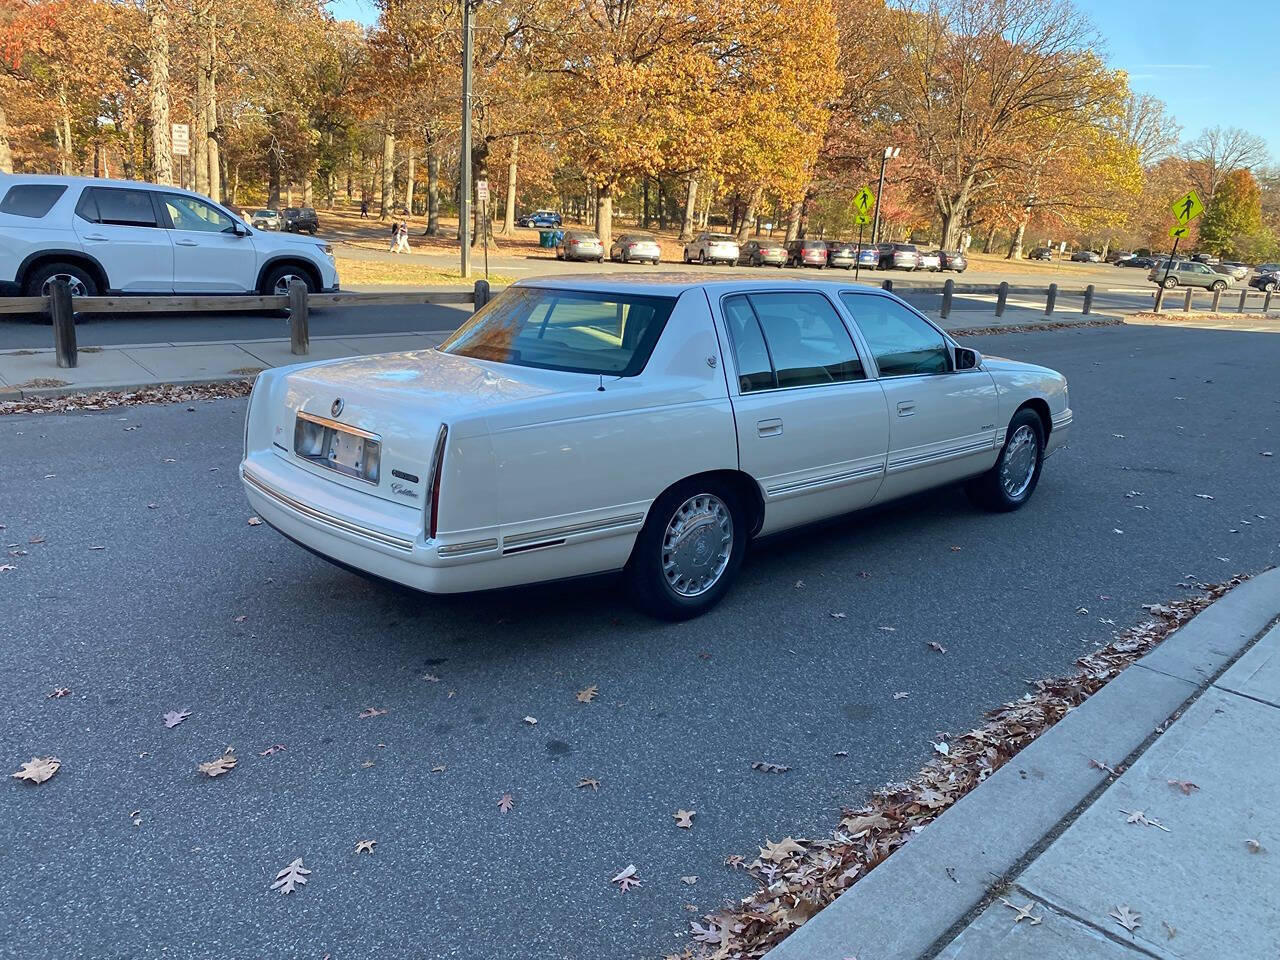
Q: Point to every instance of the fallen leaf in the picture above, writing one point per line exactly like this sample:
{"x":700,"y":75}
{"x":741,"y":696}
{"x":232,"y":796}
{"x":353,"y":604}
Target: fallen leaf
{"x":6,"y":567}
{"x":1116,"y":530}
{"x":366,"y":764}
{"x":97,"y":548}
{"x":863,"y":575}
{"x":531,"y":721}
{"x":1266,"y":453}
{"x":626,"y":878}
{"x":175,"y":717}
{"x":764,"y":767}
{"x":438,"y":768}
{"x":219,"y":766}
{"x":956,"y":549}
{"x":291,"y":877}
{"x":591,"y":782}
{"x":799,"y":584}
{"x":1139,"y":817}
{"x":1253,"y":846}
{"x":1126,"y":918}
{"x":934,"y":645}
{"x":368,"y":712}
{"x":168,"y":460}
{"x":888,"y":629}
{"x":506,"y":803}
{"x":58,"y":693}
{"x":1081,"y":611}
{"x":839,"y":616}
{"x":1023,"y":912}
{"x":778,"y":852}
{"x":587,"y":694}
{"x":38,"y":769}
{"x":366,"y":846}
{"x":153,"y":506}
{"x":1170,"y":930}
{"x":37,"y":538}
{"x":733,"y":861}
{"x":1186,"y":786}
{"x":684,"y":818}
{"x":273,"y":749}
{"x":689,"y":880}
{"x":240,"y":619}
{"x":430,"y":678}
{"x":1203,"y":496}
{"x":253,"y":522}
{"x":943,"y":748}
{"x":841,"y":753}
{"x":1102,"y":766}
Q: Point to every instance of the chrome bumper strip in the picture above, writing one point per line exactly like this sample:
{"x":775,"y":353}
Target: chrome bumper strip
{"x":321,"y":517}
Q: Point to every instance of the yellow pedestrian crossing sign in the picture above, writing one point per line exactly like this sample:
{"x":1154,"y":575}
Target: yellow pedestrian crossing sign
{"x":861,"y":219}
{"x":1187,"y":207}
{"x":1179,"y":231}
{"x":864,"y":201}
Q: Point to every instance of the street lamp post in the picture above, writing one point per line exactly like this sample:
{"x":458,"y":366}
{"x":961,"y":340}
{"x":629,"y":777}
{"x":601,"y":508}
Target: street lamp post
{"x":464,"y":178}
{"x":889,"y":153}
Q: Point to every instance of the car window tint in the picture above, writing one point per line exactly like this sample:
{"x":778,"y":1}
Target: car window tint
{"x":188,"y":213}
{"x":807,"y":341}
{"x":31,"y":199}
{"x":901,"y":342}
{"x":754,"y":370}
{"x":130,"y":208}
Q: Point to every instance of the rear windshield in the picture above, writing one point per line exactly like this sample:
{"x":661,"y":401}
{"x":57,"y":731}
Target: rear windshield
{"x":905,"y":247}
{"x":719,"y":237}
{"x":571,"y":330}
{"x":580,"y":235}
{"x":31,"y":199}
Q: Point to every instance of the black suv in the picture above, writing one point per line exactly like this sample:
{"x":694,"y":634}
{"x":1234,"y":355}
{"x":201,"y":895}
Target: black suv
{"x":298,"y":219}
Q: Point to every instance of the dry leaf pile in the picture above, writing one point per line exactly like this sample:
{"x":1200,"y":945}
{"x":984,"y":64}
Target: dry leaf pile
{"x":106,"y":400}
{"x":799,"y":877}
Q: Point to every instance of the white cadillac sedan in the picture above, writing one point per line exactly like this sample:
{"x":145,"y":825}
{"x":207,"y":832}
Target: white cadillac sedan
{"x":652,"y":426}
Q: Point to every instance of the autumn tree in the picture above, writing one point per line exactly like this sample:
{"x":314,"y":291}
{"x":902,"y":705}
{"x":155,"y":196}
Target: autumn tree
{"x":1219,"y":151}
{"x":1232,"y":224}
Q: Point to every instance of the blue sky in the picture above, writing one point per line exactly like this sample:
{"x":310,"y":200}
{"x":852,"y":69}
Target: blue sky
{"x":1216,"y":66}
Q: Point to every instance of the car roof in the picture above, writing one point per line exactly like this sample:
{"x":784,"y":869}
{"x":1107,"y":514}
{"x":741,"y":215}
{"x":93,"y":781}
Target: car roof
{"x":7,"y":178}
{"x":674,"y":283}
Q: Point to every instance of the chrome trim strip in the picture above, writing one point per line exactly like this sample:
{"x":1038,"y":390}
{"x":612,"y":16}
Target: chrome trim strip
{"x":321,"y":517}
{"x":337,"y":425}
{"x":951,"y":453}
{"x":1063,"y":419}
{"x":795,"y":486}
{"x":592,"y":526}
{"x":467,"y":549}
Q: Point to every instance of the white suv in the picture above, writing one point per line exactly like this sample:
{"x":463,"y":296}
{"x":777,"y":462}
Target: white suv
{"x":109,"y":236}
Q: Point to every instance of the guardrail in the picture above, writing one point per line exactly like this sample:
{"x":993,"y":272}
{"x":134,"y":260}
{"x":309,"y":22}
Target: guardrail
{"x":61,"y":308}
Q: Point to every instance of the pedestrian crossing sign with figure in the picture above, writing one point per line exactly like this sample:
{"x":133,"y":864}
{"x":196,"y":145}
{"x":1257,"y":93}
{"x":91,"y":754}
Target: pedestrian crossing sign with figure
{"x":1187,"y":207}
{"x":864,"y":202}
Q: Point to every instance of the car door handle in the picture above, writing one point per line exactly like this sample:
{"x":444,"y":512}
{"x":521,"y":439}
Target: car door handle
{"x":769,"y":428}
{"x":95,"y":236}
{"x":186,"y":243}
{"x":907,"y":408}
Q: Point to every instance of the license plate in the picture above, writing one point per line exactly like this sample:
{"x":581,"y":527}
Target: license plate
{"x":328,"y":444}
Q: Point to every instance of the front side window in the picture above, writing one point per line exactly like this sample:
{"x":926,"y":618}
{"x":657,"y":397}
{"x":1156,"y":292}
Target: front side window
{"x":800,"y":336}
{"x":902,"y":343}
{"x":188,"y":213}
{"x":571,"y":330}
{"x":31,"y":199}
{"x":120,"y":207}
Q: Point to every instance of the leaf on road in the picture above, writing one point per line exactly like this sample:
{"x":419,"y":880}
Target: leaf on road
{"x":839,"y":616}
{"x":901,"y":695}
{"x":591,"y":782}
{"x":626,"y":878}
{"x":37,"y":538}
{"x":6,"y":567}
{"x":366,"y":846}
{"x":1253,"y":846}
{"x":734,"y":861}
{"x":778,"y":852}
{"x":58,"y":693}
{"x":291,"y":877}
{"x":506,"y":802}
{"x":531,"y":721}
{"x":684,"y":818}
{"x":240,"y":619}
{"x":943,"y":748}
{"x":438,"y":768}
{"x":1023,"y":913}
{"x":888,"y":629}
{"x":934,"y":645}
{"x":1139,"y":817}
{"x":1203,"y":496}
{"x":863,"y":575}
{"x":221,"y":765}
{"x":430,"y":678}
{"x":1186,"y":786}
{"x":955,"y":549}
{"x":588,"y":694}
{"x":175,"y":717}
{"x":1127,"y":918}
{"x":1267,"y":453}
{"x":1082,"y":611}
{"x":254,"y":521}
{"x":38,"y":769}
{"x":1102,"y":766}
{"x":689,"y":880}
{"x":1116,"y":530}
{"x":764,"y":767}
{"x":799,"y":584}
{"x":272,"y":750}
{"x":368,"y":712}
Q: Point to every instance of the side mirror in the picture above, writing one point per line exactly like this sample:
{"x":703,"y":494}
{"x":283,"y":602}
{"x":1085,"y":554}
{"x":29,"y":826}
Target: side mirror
{"x":967,"y":359}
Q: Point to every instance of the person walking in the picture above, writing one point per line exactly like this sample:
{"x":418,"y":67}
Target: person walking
{"x":364,"y":208}
{"x":402,"y":237}
{"x":395,"y":237}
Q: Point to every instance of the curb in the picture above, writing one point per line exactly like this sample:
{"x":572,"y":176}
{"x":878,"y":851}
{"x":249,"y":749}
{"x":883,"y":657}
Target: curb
{"x":945,"y":874}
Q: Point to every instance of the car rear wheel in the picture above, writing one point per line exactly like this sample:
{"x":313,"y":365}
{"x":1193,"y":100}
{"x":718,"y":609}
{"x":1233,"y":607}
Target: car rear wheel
{"x":688,"y":551}
{"x":1169,"y":282}
{"x":1010,"y":483}
{"x":40,"y":281}
{"x":1218,"y":286}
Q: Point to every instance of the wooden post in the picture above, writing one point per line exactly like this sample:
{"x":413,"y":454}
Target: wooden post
{"x":1266,"y":305}
{"x":1217,"y":298}
{"x":1186,"y":302}
{"x":1001,"y":296}
{"x":1051,"y":300}
{"x":887,"y":285}
{"x":1159,"y":298}
{"x":299,"y":330}
{"x":948,"y":289}
{"x":64,"y":323}
{"x":482,"y":293}
{"x":1088,"y":299}
{"x":1243,"y":294}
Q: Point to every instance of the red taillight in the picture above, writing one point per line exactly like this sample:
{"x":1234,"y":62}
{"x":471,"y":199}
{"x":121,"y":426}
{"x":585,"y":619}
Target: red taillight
{"x":437,"y":468}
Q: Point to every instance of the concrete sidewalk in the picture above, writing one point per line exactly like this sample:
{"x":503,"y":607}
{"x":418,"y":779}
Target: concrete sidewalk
{"x":1177,"y":857}
{"x":33,"y":373}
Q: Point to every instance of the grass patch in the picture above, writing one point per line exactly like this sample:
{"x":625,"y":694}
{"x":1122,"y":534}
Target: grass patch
{"x":368,"y":273}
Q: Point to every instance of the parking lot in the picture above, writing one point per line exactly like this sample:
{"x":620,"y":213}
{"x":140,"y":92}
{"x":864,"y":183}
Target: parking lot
{"x":139,"y":584}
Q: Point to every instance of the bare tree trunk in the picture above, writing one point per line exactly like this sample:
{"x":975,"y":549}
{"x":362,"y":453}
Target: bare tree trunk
{"x":750,"y":214}
{"x":411,"y":172}
{"x":273,"y":178}
{"x":662,"y":206}
{"x":690,"y":205}
{"x":308,"y":191}
{"x":158,"y":63}
{"x":991,"y":239}
{"x":604,"y":215}
{"x":211,"y":115}
{"x":387,"y":203}
{"x":199,"y":126}
{"x":793,"y":220}
{"x":509,"y":214}
{"x":1015,"y":246}
{"x":433,"y":187}
{"x":6,"y":155}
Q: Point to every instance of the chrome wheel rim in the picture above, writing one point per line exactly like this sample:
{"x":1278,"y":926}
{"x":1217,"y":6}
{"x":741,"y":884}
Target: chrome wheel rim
{"x":77,"y":286}
{"x":281,"y":288}
{"x":1018,"y":465}
{"x":697,"y":544}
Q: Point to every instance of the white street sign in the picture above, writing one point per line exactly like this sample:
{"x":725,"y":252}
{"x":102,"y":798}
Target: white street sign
{"x":482,"y":190}
{"x":181,"y":140}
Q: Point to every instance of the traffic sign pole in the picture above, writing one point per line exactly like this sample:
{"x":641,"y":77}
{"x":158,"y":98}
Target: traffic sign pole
{"x":857,"y":259}
{"x":1168,"y":264}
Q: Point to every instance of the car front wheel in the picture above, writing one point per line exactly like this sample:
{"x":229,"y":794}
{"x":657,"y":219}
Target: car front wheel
{"x":689,"y":550}
{"x":277,"y":280}
{"x":1169,"y":282}
{"x":1010,"y":483}
{"x":1218,"y":285}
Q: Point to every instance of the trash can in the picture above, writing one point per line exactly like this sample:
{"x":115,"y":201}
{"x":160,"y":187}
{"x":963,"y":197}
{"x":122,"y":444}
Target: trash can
{"x":546,"y":238}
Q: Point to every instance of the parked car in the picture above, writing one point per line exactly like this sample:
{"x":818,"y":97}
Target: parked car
{"x":807,"y":252}
{"x":1143,"y":262}
{"x":1188,"y":273}
{"x":901,"y":256}
{"x":953,"y":260}
{"x":300,"y":220}
{"x":579,"y":245}
{"x":869,"y":257}
{"x":1266,"y":282}
{"x":711,"y":248}
{"x":929,"y":260}
{"x":1267,"y":268}
{"x":540,"y":218}
{"x":1118,"y":256}
{"x":120,"y":236}
{"x":575,"y":427}
{"x":1086,"y":256}
{"x":841,"y":254}
{"x":756,"y":253}
{"x":1041,"y":253}
{"x":635,"y":248}
{"x":265,"y":219}
{"x":1208,"y":258}
{"x":1237,"y":271}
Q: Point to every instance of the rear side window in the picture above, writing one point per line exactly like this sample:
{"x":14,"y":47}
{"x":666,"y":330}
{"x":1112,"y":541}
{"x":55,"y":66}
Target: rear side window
{"x":806,"y":342}
{"x":755,"y":372}
{"x":111,"y":205}
{"x":31,"y":199}
{"x":901,"y":342}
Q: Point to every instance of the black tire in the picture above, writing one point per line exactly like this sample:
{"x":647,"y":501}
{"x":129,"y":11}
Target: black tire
{"x":702,"y":258}
{"x":1169,"y":282}
{"x":1268,"y":287}
{"x":1218,"y":285}
{"x":647,"y":583}
{"x":988,"y":490}
{"x":74,"y":273}
{"x":277,"y":273}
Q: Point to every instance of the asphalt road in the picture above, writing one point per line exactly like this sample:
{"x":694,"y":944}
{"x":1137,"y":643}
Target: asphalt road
{"x":150,"y":624}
